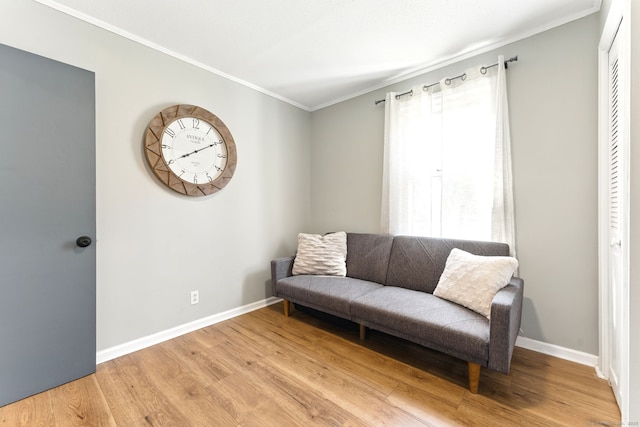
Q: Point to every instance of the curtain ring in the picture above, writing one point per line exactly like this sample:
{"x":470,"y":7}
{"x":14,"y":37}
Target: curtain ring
{"x":410,"y":93}
{"x":483,"y":70}
{"x":464,"y":77}
{"x":447,"y":81}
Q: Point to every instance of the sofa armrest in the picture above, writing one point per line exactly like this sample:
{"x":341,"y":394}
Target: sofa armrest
{"x":280,"y":268}
{"x":506,"y":315}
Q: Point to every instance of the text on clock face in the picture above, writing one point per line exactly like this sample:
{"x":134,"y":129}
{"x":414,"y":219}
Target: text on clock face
{"x":194,"y":150}
{"x":195,"y":138}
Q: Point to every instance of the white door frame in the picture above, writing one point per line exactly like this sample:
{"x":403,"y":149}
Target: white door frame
{"x":617,"y":22}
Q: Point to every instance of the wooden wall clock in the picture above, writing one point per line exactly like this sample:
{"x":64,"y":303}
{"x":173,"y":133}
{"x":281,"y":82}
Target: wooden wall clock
{"x":190,"y":150}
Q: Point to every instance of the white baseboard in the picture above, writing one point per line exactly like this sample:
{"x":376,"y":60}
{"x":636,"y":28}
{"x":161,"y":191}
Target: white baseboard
{"x":144,"y":342}
{"x":557,"y":351}
{"x":599,"y":372}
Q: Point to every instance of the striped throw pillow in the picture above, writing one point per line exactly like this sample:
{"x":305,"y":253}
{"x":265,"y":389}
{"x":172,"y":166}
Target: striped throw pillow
{"x":321,"y":255}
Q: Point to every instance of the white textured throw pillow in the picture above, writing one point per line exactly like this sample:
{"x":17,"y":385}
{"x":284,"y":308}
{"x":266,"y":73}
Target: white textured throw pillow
{"x":321,"y":255}
{"x":473,"y":280}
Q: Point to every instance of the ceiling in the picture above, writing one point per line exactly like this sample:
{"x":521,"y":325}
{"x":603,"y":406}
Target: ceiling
{"x":313,"y":53}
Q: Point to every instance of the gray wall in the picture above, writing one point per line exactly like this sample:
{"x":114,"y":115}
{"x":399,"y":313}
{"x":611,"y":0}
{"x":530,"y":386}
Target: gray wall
{"x":553,"y":106}
{"x":153,"y":245}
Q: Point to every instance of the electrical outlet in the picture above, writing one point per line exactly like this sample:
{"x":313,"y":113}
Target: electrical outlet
{"x":195,"y":297}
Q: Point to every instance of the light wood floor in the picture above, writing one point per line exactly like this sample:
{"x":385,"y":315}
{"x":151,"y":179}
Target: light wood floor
{"x":263,"y":369}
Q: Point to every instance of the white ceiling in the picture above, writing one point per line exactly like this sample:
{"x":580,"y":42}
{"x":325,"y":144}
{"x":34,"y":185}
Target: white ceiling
{"x":313,"y":53}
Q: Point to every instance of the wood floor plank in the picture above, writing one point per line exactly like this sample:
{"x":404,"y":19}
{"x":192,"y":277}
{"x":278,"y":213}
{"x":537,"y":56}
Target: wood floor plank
{"x":179,"y":386}
{"x":241,"y":397}
{"x":265,"y":369}
{"x":81,"y":403}
{"x":241,"y":353}
{"x":207,"y":337}
{"x":36,"y":411}
{"x":541,"y":370}
{"x":423,"y":406}
{"x":133,"y":398}
{"x":201,"y":358}
{"x":297,"y":398}
{"x":308,"y":405}
{"x":554,"y":402}
{"x":478,"y":410}
{"x":229,"y":392}
{"x":388,"y":370}
{"x":332,"y":383}
{"x":421,"y":360}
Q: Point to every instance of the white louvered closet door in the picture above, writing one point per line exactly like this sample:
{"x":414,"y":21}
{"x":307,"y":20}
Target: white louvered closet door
{"x":617,"y":220}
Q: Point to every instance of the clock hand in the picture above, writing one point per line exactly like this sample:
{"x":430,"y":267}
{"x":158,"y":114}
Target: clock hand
{"x":196,"y":151}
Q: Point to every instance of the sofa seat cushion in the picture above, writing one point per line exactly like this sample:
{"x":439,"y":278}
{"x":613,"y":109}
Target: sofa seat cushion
{"x":333,"y":293}
{"x":429,"y":320}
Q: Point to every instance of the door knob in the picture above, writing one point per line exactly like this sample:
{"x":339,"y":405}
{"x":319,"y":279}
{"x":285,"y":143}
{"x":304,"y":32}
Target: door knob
{"x":83,"y":241}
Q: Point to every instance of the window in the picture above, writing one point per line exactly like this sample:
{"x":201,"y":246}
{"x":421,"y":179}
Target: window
{"x":447,"y":170}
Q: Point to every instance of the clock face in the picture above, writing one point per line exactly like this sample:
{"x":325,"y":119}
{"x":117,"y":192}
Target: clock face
{"x":190,"y":150}
{"x":194,"y":150}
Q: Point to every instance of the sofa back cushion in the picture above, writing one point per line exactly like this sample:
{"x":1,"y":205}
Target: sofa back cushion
{"x":418,"y":262}
{"x":368,"y":256}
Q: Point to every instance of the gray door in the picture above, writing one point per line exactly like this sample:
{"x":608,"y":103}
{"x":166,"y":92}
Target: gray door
{"x":47,"y":200}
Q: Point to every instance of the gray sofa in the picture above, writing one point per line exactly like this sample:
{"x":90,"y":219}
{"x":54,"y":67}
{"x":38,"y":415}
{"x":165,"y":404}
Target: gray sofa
{"x":389,"y":285}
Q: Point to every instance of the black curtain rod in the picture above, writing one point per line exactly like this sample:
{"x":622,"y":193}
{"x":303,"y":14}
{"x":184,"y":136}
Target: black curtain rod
{"x":448,"y":80}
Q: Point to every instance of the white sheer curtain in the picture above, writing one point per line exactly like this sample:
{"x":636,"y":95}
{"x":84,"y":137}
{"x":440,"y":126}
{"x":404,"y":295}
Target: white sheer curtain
{"x":447,"y":160}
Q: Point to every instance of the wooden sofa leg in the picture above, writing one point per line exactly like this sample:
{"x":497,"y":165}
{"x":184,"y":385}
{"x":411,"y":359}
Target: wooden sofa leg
{"x":363,"y":332}
{"x":287,"y":307}
{"x":474,"y":377}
